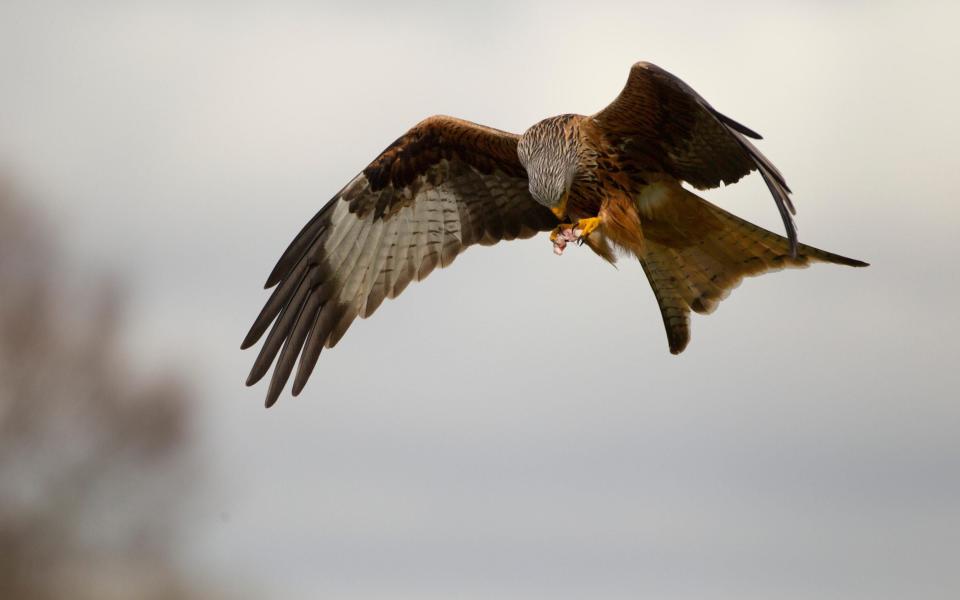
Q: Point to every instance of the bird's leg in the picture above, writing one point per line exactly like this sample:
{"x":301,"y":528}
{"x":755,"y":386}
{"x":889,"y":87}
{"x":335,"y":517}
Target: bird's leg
{"x":586,"y":226}
{"x":572,"y":232}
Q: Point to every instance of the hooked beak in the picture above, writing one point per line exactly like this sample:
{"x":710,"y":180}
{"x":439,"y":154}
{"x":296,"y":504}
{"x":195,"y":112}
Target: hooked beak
{"x":561,"y":208}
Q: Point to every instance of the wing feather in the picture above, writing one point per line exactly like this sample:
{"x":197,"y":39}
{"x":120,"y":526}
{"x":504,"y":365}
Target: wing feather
{"x":664,"y":125}
{"x":443,"y":186}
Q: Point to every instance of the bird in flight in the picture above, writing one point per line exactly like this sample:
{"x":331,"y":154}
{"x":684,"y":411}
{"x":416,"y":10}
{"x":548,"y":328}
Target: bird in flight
{"x":611,"y":181}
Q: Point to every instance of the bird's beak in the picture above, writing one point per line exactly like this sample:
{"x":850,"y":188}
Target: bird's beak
{"x":561,"y":208}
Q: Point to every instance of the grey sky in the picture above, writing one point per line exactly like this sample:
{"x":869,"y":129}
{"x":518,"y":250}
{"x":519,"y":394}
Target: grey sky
{"x":805,"y":444}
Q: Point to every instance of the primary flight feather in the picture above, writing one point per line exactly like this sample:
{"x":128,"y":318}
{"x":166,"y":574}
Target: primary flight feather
{"x":611,"y":181}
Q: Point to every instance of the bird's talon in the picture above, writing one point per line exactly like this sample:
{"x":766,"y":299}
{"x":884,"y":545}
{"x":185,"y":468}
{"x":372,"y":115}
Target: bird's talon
{"x":572,"y":232}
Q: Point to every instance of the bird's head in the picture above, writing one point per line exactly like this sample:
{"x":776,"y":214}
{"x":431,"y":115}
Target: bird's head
{"x":548,"y":152}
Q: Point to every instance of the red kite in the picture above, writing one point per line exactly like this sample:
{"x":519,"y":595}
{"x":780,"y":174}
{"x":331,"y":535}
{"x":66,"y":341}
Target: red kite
{"x":611,"y":181}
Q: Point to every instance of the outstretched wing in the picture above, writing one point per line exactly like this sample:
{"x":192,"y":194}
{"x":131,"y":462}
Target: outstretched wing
{"x":661,"y":124}
{"x":443,"y":186}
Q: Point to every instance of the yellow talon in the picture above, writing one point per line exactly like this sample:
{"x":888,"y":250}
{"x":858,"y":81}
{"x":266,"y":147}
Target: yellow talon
{"x":587,"y":226}
{"x":569,"y":232}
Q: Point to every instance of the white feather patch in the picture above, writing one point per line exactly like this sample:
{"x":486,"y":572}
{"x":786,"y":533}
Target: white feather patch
{"x":654,"y":197}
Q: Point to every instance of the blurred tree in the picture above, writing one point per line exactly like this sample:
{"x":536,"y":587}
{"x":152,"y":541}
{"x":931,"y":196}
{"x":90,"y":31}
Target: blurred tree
{"x":94,"y":462}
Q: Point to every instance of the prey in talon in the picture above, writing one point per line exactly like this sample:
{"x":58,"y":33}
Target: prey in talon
{"x":570,"y":232}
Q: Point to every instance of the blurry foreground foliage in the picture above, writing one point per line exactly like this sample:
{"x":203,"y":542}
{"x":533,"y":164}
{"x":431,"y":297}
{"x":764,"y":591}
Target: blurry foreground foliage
{"x":95,"y":464}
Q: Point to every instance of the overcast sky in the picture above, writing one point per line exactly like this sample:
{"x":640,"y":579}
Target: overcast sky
{"x":806,"y":444}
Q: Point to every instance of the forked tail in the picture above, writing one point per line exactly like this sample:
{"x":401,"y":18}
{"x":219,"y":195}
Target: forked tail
{"x":695,"y":253}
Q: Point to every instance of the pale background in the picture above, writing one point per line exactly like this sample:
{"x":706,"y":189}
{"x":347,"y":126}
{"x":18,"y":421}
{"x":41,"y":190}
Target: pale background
{"x":515,"y":427}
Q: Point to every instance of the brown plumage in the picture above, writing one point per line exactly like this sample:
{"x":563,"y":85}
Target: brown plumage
{"x":613,"y":179}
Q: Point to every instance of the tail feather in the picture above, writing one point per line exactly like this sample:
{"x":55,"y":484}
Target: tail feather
{"x":695,"y":253}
